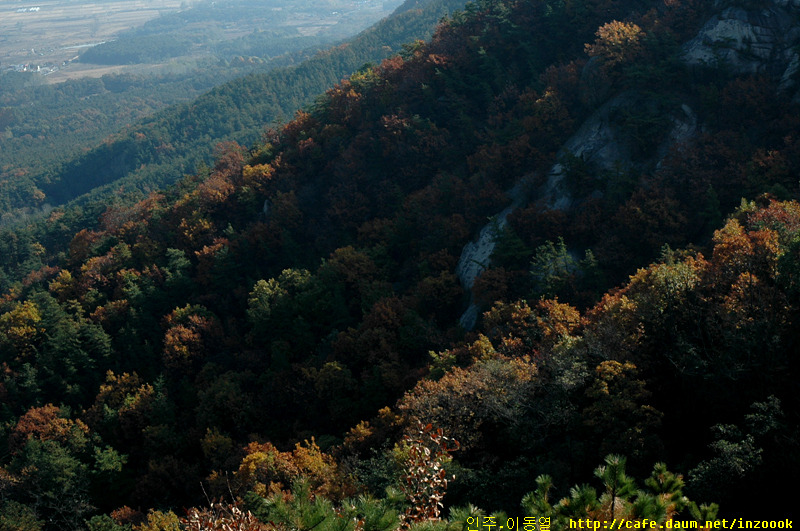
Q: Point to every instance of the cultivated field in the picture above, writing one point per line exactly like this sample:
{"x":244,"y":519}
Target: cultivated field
{"x":56,"y":31}
{"x":47,"y":35}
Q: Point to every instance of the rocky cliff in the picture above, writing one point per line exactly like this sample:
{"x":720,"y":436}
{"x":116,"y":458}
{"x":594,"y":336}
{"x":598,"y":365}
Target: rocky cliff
{"x":750,"y":40}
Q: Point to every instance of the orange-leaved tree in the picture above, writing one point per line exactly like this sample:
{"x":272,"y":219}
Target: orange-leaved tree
{"x":617,"y":42}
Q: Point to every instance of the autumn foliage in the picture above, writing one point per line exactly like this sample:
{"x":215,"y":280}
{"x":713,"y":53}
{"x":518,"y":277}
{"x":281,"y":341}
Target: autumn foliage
{"x":272,"y":328}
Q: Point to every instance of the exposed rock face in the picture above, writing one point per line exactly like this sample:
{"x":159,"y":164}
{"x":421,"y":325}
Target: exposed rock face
{"x":604,"y":148}
{"x":475,"y":255}
{"x":755,"y":41}
{"x":598,"y":144}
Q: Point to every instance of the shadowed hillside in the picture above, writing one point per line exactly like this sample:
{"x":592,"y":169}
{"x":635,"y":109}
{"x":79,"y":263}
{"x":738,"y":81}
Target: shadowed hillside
{"x":286,"y":327}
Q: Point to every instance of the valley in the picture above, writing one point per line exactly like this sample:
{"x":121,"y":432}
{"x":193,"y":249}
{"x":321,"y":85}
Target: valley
{"x":46,"y":35}
{"x":49,"y":37}
{"x":77,"y":88}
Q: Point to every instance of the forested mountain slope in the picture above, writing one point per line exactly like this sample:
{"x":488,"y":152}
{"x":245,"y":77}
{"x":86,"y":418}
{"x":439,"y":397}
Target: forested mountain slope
{"x":161,"y":149}
{"x":44,"y":123}
{"x":154,"y":153}
{"x":276,"y":323}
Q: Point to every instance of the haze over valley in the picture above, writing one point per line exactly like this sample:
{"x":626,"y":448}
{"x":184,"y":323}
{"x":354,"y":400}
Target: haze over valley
{"x":49,"y":37}
{"x":73,"y":73}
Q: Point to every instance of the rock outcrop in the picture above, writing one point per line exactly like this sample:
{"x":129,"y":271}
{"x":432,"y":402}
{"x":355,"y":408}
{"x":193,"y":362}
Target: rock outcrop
{"x":750,"y":41}
{"x":475,"y":255}
{"x":597,"y":143}
{"x":603,"y":147}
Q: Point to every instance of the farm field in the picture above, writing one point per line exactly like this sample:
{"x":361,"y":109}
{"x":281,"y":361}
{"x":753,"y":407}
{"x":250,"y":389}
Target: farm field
{"x":49,"y":36}
{"x":58,"y":30}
